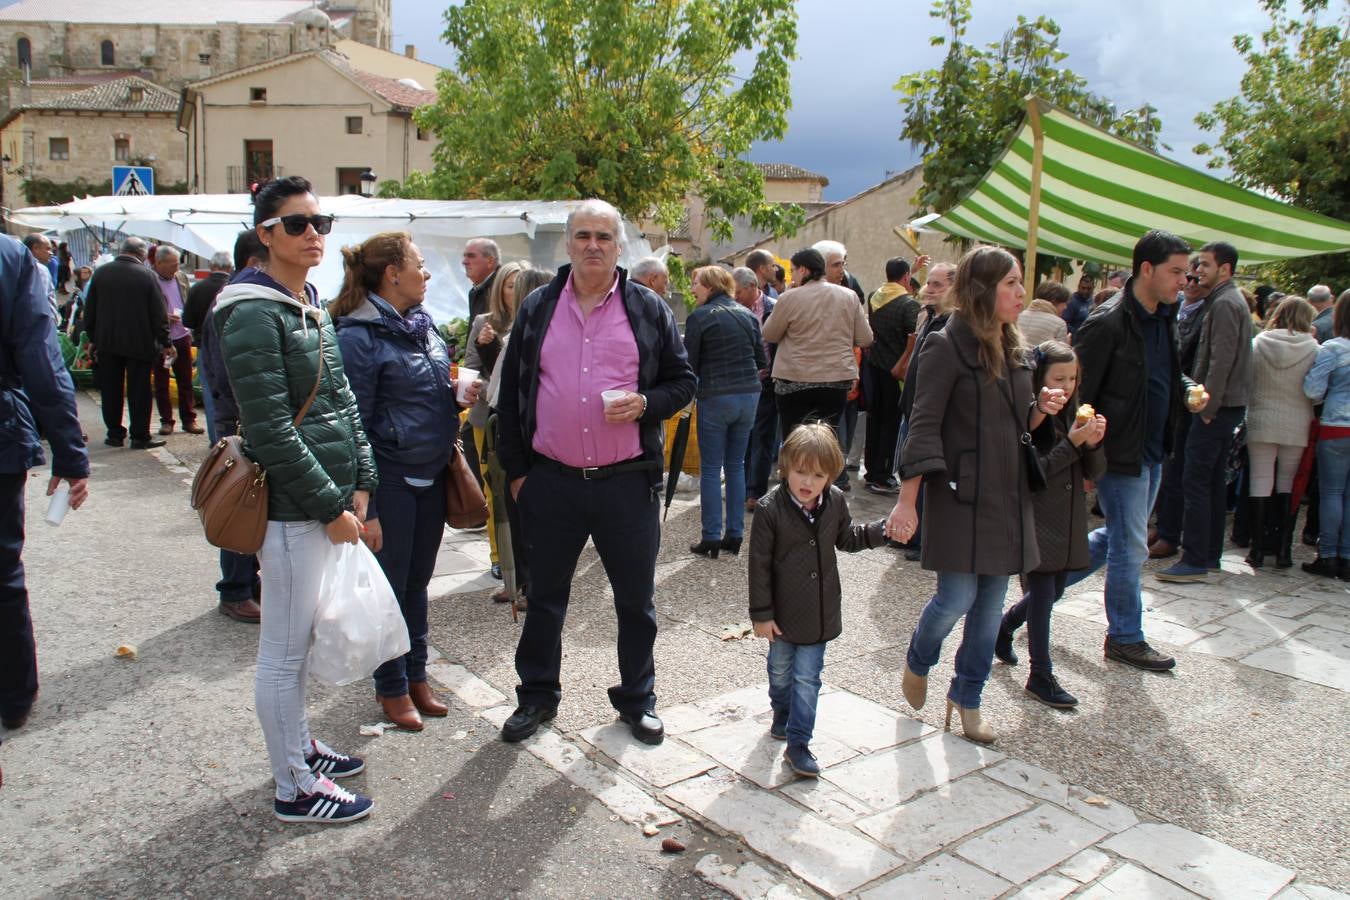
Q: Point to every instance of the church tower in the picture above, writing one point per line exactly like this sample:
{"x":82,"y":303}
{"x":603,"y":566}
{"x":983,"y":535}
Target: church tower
{"x":372,"y":22}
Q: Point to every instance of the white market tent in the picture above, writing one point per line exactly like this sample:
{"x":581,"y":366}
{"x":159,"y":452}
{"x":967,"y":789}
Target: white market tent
{"x":205,"y":224}
{"x":1067,"y":188}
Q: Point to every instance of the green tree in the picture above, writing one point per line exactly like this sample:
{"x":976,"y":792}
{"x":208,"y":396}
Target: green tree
{"x":1288,"y":131}
{"x":634,"y":101}
{"x":962,"y":114}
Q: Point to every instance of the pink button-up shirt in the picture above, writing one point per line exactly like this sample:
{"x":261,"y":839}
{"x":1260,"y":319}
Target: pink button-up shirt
{"x":582,"y":356}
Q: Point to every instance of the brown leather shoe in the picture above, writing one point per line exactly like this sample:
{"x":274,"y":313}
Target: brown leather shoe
{"x":401,"y":712}
{"x":1161,"y":549}
{"x":426,"y":701}
{"x":194,"y":428}
{"x":166,"y":428}
{"x":241,"y":611}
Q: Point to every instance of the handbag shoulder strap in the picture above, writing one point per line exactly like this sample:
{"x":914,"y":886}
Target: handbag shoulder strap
{"x":314,"y":392}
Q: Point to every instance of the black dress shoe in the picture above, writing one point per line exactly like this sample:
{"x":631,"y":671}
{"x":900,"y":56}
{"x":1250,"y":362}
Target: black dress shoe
{"x":525,"y":721}
{"x":114,"y":442}
{"x":147,"y":445}
{"x":14,"y":720}
{"x":646,"y":727}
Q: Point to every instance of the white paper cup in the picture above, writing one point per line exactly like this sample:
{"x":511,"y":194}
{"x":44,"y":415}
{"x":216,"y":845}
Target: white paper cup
{"x":59,"y":505}
{"x":466,"y":378}
{"x":609,"y":398}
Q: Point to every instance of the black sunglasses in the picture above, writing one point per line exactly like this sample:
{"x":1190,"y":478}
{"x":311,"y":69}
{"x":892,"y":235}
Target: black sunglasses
{"x":1188,"y":277}
{"x":295,"y":224}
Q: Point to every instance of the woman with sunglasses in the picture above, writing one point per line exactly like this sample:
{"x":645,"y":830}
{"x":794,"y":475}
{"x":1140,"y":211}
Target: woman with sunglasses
{"x":282,"y":356}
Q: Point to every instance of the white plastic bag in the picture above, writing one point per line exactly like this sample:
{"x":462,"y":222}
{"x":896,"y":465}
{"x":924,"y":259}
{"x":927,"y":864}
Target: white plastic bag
{"x":358,"y":624}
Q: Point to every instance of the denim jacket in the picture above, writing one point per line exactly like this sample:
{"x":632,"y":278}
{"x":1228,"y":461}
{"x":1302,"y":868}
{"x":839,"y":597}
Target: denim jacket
{"x":1328,"y":382}
{"x":725,"y":348}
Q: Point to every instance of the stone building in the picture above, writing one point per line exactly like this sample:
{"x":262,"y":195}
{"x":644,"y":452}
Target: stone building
{"x":317,"y":114}
{"x":80,"y":135}
{"x":865,"y":223}
{"x":170,"y":42}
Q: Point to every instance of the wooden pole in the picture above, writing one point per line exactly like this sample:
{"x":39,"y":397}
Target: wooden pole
{"x":1034,"y":211}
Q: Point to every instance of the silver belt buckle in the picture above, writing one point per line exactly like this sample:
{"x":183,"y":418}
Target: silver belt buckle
{"x":586,"y":473}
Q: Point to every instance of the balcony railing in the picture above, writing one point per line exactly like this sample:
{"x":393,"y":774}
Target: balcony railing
{"x":237,"y":178}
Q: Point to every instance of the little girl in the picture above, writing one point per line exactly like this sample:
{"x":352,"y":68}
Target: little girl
{"x":1069,"y":445}
{"x":794,"y":579}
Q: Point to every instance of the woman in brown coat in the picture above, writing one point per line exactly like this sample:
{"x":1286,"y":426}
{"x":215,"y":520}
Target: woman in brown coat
{"x":1070,"y":448}
{"x":968,"y":441}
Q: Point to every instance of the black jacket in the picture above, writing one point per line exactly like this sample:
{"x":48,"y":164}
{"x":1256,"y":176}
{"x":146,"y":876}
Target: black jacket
{"x":198,"y":302}
{"x":1110,"y":349}
{"x":891,"y":327}
{"x":664,"y":374}
{"x":124,"y":311}
{"x":478,"y":296}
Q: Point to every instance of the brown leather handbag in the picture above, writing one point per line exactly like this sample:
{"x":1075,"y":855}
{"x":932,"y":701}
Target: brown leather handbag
{"x":229,"y":491}
{"x":465,"y":505}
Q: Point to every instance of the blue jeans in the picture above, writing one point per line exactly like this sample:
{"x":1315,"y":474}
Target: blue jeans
{"x":413,"y":522}
{"x":764,"y":442}
{"x":724,"y":423}
{"x":1122,"y":545}
{"x":208,"y":402}
{"x":1333,"y":473}
{"x":980,"y":599}
{"x":794,"y":685}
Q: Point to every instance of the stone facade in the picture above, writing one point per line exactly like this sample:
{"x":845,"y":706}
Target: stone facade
{"x":863,"y":223}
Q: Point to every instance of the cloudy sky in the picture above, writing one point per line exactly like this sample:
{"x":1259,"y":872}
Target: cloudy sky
{"x":845,"y":115}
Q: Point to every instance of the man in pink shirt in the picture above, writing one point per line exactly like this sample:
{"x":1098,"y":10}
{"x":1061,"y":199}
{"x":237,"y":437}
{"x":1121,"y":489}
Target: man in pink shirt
{"x":581,"y":468}
{"x":173,"y":284}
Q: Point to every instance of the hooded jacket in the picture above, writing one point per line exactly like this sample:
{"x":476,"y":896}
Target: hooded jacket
{"x":402,"y":388}
{"x":1278,"y":412}
{"x":269,"y":342}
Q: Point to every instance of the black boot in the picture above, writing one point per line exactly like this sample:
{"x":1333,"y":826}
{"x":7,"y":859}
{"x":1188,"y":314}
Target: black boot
{"x":1256,"y":527}
{"x":1284,"y":519}
{"x":732,"y":545}
{"x":1327,"y":566}
{"x":707,"y":548}
{"x":1003,"y":647}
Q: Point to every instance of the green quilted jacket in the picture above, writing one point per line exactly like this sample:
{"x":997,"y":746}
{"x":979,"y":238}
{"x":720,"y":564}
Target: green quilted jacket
{"x":270,"y":345}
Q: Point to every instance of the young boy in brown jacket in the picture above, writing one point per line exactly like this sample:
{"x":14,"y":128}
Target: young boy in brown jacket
{"x":794,"y":579}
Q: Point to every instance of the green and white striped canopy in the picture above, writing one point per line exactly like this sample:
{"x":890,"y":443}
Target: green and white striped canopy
{"x":1100,"y":194}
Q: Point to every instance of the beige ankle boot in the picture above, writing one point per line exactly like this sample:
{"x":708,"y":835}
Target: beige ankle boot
{"x":914,"y":687}
{"x":972,"y":726}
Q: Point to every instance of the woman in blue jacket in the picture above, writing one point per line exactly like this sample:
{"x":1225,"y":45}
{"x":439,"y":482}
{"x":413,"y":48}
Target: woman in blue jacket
{"x":399,"y":369}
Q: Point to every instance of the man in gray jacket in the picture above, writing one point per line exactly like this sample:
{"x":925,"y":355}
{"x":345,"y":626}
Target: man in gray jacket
{"x":1223,"y":364}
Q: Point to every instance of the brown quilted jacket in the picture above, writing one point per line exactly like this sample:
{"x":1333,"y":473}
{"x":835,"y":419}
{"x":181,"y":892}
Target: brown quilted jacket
{"x":794,"y":576}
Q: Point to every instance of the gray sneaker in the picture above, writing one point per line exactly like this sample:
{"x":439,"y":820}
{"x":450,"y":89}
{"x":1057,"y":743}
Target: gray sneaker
{"x":1140,"y":655}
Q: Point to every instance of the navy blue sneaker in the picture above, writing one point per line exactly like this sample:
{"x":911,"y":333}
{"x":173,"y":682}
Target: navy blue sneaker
{"x":327,"y":804}
{"x":802,"y":761}
{"x":778,"y":728}
{"x":324,"y":760}
{"x":1181,"y":573}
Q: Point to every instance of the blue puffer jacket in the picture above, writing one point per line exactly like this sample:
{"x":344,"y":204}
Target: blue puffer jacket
{"x":34,"y":384}
{"x":403,"y":391}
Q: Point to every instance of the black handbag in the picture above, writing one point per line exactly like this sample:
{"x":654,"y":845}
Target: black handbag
{"x":1036,"y":479}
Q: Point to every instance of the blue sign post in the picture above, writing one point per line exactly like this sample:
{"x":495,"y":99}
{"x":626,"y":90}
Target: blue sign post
{"x":133,"y":181}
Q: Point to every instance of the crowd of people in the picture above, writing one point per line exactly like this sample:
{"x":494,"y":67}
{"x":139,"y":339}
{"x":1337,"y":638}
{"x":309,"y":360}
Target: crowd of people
{"x":989,"y":420}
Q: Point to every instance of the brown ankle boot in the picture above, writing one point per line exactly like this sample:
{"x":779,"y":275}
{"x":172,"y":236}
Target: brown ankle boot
{"x":401,"y":712}
{"x":426,"y":701}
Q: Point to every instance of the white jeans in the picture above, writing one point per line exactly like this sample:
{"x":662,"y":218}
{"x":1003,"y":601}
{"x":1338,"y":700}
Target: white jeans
{"x":292,"y":560}
{"x":1271,"y":465}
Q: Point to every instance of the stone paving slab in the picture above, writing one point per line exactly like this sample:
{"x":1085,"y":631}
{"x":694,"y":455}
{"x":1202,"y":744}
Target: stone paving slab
{"x":889,"y":778}
{"x":1031,"y":843}
{"x":745,"y":748}
{"x":943,"y":876}
{"x":1199,"y":863}
{"x":1047,"y":887}
{"x":661,"y":765}
{"x":1032,"y":780}
{"x":824,"y":855}
{"x":863,"y":725}
{"x":933,"y":820}
{"x":1131,"y":883}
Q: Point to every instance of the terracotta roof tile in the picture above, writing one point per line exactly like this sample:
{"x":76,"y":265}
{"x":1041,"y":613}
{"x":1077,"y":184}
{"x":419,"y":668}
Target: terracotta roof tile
{"x":790,"y":172}
{"x":114,"y":96}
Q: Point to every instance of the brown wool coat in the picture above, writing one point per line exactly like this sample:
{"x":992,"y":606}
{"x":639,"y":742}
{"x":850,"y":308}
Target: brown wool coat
{"x":794,"y":574}
{"x":964,"y":440}
{"x":1061,"y":509}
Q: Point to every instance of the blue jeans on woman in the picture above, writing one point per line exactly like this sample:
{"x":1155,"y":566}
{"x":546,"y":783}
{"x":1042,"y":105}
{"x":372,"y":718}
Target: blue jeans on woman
{"x":1333,"y":473}
{"x":794,"y":685}
{"x":724,"y":423}
{"x":413,"y":522}
{"x":980,"y":599}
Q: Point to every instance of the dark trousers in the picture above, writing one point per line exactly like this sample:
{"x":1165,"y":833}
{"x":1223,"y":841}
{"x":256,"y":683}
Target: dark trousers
{"x":1042,"y":590}
{"x":519,"y":556}
{"x":620,"y":514}
{"x":811,"y":405}
{"x":764,"y":441}
{"x":18,"y":653}
{"x":883,"y":426}
{"x":110,"y":373}
{"x":182,"y":376}
{"x":1171,"y":503}
{"x":238,"y":571}
{"x":1206,"y":489}
{"x":413,"y":522}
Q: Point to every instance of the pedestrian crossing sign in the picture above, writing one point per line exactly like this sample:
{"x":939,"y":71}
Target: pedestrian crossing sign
{"x":133,"y":181}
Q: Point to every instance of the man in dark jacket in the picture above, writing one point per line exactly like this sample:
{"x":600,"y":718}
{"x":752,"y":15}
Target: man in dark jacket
{"x":1127,"y":350}
{"x":35,"y":389}
{"x":1080,"y":305}
{"x":581,"y":466}
{"x":892,"y":313}
{"x":764,"y":440}
{"x":1223,"y":364}
{"x":129,"y":328}
{"x":200,"y":298}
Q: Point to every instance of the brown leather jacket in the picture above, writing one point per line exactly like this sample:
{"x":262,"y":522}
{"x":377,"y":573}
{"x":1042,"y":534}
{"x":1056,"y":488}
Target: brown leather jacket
{"x":794,"y":575}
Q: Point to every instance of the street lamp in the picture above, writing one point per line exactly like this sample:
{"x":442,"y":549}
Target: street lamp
{"x":368,"y":179}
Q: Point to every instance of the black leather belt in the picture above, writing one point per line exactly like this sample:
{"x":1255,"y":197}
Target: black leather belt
{"x":594,"y":473}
